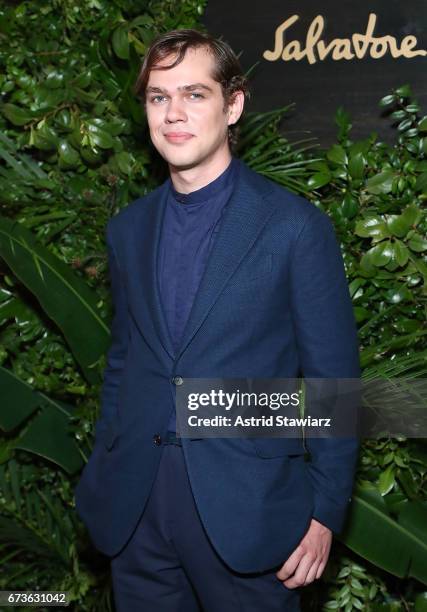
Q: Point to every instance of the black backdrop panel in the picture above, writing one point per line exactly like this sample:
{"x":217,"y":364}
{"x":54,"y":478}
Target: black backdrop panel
{"x":319,"y":88}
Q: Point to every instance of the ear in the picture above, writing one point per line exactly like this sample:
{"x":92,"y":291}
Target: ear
{"x":235,"y":107}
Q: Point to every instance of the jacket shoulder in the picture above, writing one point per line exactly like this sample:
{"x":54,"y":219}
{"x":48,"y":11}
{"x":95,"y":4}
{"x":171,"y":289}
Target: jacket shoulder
{"x":289,"y":206}
{"x":127,"y":216}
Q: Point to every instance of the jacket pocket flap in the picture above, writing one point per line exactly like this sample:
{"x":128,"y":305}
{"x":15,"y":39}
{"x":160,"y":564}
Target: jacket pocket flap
{"x":278,"y":447}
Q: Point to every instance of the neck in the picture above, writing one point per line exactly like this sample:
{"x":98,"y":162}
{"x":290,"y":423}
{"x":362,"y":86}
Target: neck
{"x":190,"y":179}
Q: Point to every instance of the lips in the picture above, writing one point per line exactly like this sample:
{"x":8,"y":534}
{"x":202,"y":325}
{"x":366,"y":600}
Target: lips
{"x":178,"y":136}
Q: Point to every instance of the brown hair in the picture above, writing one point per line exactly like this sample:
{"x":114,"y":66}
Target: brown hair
{"x":227,"y":70}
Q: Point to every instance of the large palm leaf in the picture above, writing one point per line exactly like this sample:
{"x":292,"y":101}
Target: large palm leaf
{"x":65,"y":297}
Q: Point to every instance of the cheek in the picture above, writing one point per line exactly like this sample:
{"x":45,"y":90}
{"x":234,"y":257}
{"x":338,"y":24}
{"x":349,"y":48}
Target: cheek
{"x":153,"y":121}
{"x":213,"y":123}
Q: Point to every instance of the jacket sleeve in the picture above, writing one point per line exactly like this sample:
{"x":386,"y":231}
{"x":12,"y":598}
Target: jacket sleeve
{"x":327,"y":343}
{"x":119,"y":341}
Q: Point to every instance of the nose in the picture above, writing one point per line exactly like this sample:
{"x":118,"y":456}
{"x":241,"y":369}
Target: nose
{"x":175,"y":111}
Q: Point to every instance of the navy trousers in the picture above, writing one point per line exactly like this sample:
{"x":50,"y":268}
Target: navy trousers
{"x":169,"y":565}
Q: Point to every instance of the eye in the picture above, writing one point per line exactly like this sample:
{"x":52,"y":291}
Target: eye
{"x":197,"y":95}
{"x":157,"y":99}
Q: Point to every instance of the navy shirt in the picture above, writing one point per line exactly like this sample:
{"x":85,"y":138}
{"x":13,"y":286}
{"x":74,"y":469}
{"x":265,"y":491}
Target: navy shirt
{"x":190,"y":224}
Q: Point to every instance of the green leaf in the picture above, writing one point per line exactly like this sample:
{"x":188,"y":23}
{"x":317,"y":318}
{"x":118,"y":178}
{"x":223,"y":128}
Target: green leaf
{"x":417,"y":243}
{"x":422,"y":124}
{"x":412,"y":215}
{"x":404,"y":125}
{"x":46,"y":422}
{"x":16,"y":114}
{"x":397,"y":546}
{"x":337,"y":154}
{"x":421,"y":602}
{"x":318,"y":180}
{"x":99,"y":137}
{"x":397,"y":295}
{"x":124,"y":162}
{"x":361,"y":313}
{"x":380,"y":183}
{"x":412,"y":108}
{"x":367,"y":269}
{"x":120,"y":42}
{"x":68,"y":156}
{"x":24,"y":165}
{"x":54,"y":79}
{"x":356,"y":166}
{"x":398,"y":115}
{"x":404,"y":91}
{"x":381,"y":253}
{"x":64,"y":120}
{"x":386,"y":480}
{"x":421,"y":183}
{"x":45,"y":138}
{"x":399,"y":225}
{"x":65,"y":298}
{"x":400,"y":252}
{"x":372,"y":227}
{"x":350,"y":206}
{"x":387,"y":101}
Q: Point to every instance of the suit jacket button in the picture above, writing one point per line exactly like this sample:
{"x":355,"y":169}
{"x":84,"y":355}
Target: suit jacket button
{"x":157,"y":439}
{"x":177,"y":380}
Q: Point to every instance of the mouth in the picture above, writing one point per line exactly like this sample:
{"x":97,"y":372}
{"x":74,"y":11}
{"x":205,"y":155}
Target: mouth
{"x":178,"y":136}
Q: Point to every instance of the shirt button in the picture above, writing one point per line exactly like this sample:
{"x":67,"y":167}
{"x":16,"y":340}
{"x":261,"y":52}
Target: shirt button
{"x":157,"y":439}
{"x":177,"y":380}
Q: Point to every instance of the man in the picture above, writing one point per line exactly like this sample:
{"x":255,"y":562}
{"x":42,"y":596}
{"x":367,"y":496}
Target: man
{"x":218,"y":273}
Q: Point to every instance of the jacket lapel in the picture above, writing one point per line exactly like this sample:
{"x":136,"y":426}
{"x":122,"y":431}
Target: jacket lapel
{"x":245,"y":216}
{"x":149,"y":310}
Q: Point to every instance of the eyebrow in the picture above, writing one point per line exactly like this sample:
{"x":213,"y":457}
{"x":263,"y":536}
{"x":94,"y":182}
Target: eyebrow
{"x":191,"y":87}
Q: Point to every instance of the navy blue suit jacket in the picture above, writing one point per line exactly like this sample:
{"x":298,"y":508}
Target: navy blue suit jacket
{"x":273,"y":302}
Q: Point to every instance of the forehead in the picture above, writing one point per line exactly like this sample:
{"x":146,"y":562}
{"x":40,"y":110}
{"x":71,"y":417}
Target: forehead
{"x":197,"y":66}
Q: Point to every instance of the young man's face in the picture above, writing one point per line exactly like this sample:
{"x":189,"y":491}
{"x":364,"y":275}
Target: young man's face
{"x":185,"y":111}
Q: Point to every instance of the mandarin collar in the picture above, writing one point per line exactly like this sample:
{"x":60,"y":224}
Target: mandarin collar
{"x":210,"y":190}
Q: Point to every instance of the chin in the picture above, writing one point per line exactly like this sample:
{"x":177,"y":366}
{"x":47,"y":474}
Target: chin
{"x":182,"y":162}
